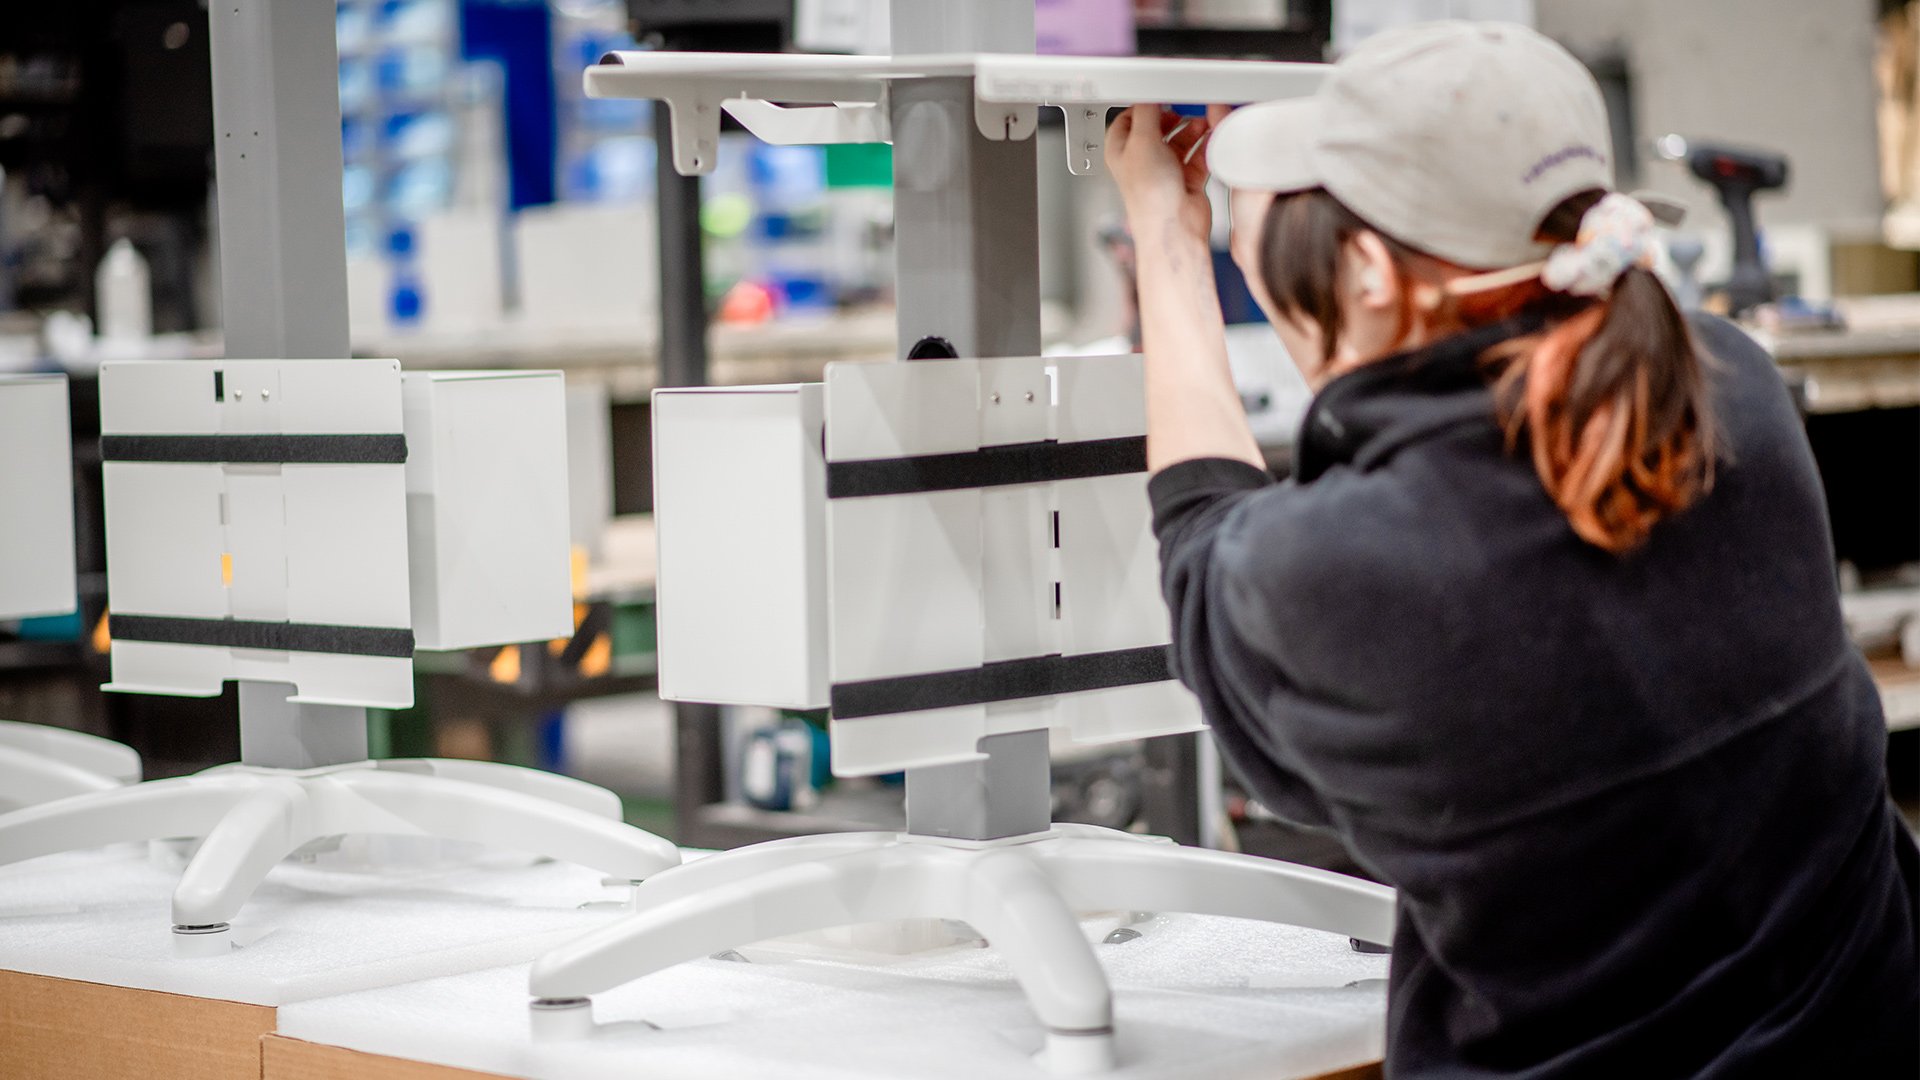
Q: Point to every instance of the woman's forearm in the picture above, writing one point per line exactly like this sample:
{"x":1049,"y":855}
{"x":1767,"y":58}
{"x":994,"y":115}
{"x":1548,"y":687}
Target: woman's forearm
{"x":1193,"y":410}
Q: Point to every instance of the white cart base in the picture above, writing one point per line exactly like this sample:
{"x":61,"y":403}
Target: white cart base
{"x":1021,"y":895}
{"x":249,"y":819}
{"x":40,"y":764}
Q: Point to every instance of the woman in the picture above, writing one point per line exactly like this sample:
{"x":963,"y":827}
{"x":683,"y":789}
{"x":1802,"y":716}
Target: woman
{"x":1546,"y":624}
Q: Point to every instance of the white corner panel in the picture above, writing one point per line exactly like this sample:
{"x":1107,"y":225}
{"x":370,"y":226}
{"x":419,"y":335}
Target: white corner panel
{"x":740,"y":507}
{"x":486,"y":508}
{"x":36,"y":497}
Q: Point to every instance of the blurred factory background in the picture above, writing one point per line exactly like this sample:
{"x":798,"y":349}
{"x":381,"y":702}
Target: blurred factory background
{"x":495,"y":217}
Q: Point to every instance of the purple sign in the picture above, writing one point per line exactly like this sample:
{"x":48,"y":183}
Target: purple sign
{"x":1084,"y":27}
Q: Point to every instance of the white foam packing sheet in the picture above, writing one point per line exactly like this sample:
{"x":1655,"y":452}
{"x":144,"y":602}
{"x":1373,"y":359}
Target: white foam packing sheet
{"x":1194,"y":996}
{"x":103,"y":916}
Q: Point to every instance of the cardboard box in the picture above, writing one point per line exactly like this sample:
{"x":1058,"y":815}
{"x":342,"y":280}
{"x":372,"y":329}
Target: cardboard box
{"x":282,"y":1058}
{"x":60,"y":1029}
{"x":63,"y":1029}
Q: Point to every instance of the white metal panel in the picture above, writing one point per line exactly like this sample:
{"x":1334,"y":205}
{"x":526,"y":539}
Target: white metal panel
{"x":346,"y":544}
{"x":157,"y":399}
{"x":487,"y":494}
{"x":739,"y":502}
{"x":898,"y":410}
{"x":146,"y":667}
{"x":165,"y":539}
{"x":1100,"y":397}
{"x":1016,"y":401}
{"x":905,"y":580}
{"x":383,"y":682}
{"x":911,"y":594}
{"x":1109,"y":566}
{"x":254,"y":402}
{"x":1124,"y":713}
{"x":255,"y":507}
{"x":1017,"y":572}
{"x":357,"y":397}
{"x":883,"y":744}
{"x":36,"y":497}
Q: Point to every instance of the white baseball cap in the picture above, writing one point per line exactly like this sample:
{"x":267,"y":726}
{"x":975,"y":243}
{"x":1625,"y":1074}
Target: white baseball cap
{"x":1454,"y":137}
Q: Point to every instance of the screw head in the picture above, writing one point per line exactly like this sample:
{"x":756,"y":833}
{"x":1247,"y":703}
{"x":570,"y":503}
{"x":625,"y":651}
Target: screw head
{"x":1029,"y":395}
{"x":265,"y":394}
{"x":996,"y":399}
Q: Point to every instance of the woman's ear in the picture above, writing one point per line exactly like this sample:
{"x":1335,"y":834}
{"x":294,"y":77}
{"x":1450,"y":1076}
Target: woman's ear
{"x":1370,"y":268}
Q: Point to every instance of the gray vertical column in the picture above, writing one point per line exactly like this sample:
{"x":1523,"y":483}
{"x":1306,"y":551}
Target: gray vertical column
{"x":967,"y":270}
{"x":276,"y":121}
{"x":965,"y":207}
{"x":283,"y":266}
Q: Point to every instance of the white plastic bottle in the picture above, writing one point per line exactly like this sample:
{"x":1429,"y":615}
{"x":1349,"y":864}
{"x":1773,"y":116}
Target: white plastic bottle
{"x":124,"y":293}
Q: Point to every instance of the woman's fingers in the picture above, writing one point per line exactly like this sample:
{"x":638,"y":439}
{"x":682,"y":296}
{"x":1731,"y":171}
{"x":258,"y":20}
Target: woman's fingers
{"x":1187,"y":141}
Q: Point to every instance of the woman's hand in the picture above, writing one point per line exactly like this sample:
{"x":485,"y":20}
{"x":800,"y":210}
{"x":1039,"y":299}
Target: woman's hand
{"x":1193,"y":410}
{"x":1158,"y":159}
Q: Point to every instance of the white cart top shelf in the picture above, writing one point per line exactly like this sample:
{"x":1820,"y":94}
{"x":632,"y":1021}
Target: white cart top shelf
{"x":827,"y":99}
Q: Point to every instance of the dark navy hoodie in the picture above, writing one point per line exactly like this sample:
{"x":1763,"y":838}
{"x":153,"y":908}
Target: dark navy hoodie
{"x":1634,"y":806}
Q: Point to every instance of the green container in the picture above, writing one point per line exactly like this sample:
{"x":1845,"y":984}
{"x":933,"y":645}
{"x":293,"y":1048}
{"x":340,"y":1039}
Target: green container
{"x":633,"y":630}
{"x":851,"y":165}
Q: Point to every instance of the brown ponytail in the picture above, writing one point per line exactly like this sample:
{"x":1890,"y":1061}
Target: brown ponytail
{"x":1610,"y":399}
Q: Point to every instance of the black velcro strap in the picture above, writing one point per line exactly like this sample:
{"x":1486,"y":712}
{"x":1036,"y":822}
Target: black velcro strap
{"x":993,"y":466}
{"x":248,"y":634}
{"x":1004,"y":680}
{"x":257,"y":449}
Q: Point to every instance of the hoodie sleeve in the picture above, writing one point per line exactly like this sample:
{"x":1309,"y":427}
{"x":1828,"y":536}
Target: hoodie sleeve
{"x":1237,"y":686}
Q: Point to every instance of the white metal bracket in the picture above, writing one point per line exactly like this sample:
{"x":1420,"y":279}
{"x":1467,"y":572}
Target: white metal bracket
{"x":812,"y":125}
{"x":696,"y":133}
{"x":1086,"y":137}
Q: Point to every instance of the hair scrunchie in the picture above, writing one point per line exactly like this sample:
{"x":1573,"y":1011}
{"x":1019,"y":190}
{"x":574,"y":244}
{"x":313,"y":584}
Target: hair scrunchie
{"x":1616,"y":233}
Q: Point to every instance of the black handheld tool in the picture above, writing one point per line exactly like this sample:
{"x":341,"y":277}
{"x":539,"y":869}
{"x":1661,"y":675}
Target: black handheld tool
{"x":1737,"y":173}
